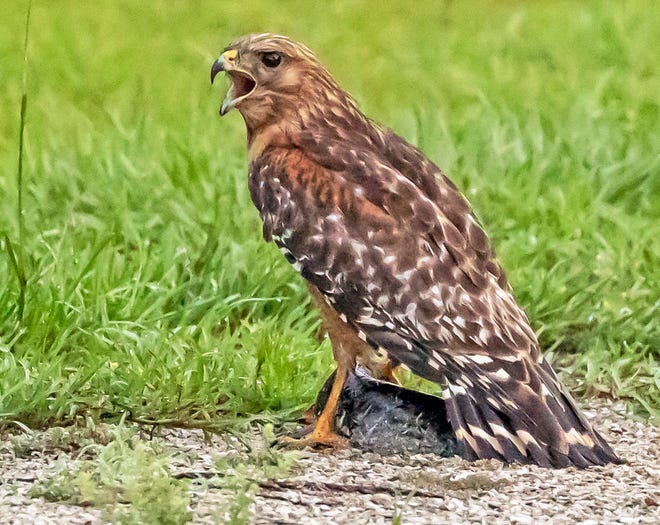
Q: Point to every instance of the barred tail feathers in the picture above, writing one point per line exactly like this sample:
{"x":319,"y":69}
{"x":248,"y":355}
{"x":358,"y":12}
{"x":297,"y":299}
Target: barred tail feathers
{"x":527,"y":419}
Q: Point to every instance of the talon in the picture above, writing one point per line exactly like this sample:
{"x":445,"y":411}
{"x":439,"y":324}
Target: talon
{"x":315,"y":440}
{"x":299,"y":433}
{"x":309,"y":416}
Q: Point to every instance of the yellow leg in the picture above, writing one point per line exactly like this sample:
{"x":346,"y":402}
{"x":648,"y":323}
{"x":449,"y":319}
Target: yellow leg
{"x":346,"y":347}
{"x":324,"y":433}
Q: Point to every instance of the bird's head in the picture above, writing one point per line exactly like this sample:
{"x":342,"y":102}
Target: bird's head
{"x":274,"y":79}
{"x":267,"y":72}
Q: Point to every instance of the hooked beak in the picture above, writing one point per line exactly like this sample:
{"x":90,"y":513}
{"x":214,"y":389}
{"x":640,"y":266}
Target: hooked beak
{"x":242,"y":83}
{"x":217,"y":67}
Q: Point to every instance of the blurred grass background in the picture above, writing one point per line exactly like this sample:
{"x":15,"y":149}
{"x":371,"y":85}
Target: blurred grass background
{"x":150,"y":294}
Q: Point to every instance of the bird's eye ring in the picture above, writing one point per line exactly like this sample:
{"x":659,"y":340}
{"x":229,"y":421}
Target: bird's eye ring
{"x":271,"y":59}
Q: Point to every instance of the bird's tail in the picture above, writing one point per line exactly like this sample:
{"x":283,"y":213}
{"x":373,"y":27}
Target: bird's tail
{"x":519,"y":414}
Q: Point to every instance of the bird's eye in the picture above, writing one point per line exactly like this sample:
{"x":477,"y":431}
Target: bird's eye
{"x":271,"y":59}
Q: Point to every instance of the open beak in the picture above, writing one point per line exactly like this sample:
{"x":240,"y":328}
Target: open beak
{"x":242,"y":83}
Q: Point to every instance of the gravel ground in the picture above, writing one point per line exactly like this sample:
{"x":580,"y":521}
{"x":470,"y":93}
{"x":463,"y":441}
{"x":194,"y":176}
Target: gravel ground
{"x":355,"y":487}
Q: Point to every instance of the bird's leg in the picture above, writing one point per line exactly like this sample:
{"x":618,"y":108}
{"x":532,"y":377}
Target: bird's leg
{"x":345,"y":347}
{"x":324,"y":433}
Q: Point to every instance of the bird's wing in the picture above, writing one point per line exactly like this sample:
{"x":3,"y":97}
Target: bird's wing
{"x":417,"y":278}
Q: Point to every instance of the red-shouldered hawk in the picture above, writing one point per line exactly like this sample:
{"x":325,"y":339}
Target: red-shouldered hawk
{"x":396,"y":260}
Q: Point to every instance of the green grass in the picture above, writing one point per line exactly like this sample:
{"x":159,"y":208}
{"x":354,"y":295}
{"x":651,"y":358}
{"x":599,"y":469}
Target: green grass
{"x":149,"y":293}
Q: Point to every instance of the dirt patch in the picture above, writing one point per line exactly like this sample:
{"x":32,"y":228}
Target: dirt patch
{"x":356,"y":487}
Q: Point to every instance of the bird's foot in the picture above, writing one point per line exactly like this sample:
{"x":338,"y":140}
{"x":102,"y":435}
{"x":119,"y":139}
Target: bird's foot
{"x":316,"y":440}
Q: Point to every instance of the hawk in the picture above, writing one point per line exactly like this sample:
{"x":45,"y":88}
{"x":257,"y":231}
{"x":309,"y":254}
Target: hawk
{"x":396,"y":261}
